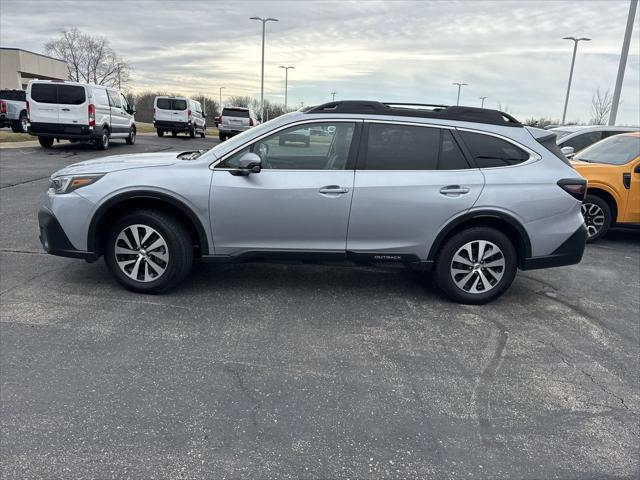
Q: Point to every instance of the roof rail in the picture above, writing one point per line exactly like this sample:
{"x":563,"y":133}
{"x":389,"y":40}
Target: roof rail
{"x":458,"y":113}
{"x":403,"y":104}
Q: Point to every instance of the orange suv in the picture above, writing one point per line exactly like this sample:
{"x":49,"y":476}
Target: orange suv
{"x":612,"y":170}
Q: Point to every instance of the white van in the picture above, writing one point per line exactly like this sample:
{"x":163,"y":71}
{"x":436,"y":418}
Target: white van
{"x":179,"y":114}
{"x":60,"y":110}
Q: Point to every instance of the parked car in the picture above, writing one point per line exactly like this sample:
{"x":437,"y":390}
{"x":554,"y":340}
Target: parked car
{"x":234,"y":120}
{"x":61,"y":110}
{"x":612,"y":170}
{"x":13,"y":110}
{"x":179,"y":114}
{"x":466,"y":192}
{"x":575,"y":138}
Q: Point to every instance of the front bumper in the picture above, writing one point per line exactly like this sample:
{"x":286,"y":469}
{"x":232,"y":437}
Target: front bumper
{"x":569,"y":253}
{"x":54,"y":240}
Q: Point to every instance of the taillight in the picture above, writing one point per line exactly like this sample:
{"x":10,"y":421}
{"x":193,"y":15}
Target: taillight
{"x":576,"y":187}
{"x":92,"y":115}
{"x":3,"y":106}
{"x":250,"y":122}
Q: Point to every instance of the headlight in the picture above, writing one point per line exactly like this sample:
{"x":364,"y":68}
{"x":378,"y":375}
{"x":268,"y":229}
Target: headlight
{"x":69,"y":183}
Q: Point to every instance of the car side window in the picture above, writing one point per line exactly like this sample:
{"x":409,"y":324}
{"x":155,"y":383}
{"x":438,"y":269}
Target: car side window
{"x":489,"y":151}
{"x":582,"y":141}
{"x":124,"y":103}
{"x":100,"y":97}
{"x":114,"y":98}
{"x":317,"y":146}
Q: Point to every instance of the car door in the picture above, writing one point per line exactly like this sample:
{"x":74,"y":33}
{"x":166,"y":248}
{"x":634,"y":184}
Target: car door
{"x":299,"y":201}
{"x":410,"y":181}
{"x":43,"y":102}
{"x":127,"y":118}
{"x":633,"y":199}
{"x":73,"y":104}
{"x":117,"y":120}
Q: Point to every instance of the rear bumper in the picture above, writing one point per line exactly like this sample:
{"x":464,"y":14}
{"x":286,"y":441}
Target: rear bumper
{"x":229,"y":130}
{"x":168,"y":125}
{"x":65,"y":131}
{"x":569,"y":253}
{"x":54,"y":240}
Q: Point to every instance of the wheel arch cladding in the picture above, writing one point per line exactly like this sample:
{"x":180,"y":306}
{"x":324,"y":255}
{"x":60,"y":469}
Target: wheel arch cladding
{"x":129,"y":201}
{"x":607,"y":197}
{"x":498,"y":220}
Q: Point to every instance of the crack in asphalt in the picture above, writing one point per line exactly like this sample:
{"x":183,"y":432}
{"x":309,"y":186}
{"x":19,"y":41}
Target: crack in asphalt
{"x":23,"y":183}
{"x":588,"y":375}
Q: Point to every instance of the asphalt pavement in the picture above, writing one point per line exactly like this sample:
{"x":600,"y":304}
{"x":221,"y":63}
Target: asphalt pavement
{"x":280,"y":371}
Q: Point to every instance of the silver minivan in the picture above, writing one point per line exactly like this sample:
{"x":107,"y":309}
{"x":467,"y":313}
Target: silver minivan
{"x":61,"y":110}
{"x":179,"y":114}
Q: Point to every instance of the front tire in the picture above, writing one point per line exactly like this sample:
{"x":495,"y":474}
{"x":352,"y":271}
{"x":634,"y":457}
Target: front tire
{"x":597,"y":217}
{"x":45,"y":142}
{"x":131,"y":139}
{"x":203,"y":133}
{"x":476,"y":265}
{"x":149,"y":251}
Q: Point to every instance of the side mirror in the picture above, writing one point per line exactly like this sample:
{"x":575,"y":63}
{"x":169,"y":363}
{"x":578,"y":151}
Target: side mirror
{"x":249,"y":163}
{"x":637,"y":169}
{"x":568,"y":151}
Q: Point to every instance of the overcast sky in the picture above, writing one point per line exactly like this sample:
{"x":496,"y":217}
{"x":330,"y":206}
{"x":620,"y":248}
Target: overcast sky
{"x":510,"y":51}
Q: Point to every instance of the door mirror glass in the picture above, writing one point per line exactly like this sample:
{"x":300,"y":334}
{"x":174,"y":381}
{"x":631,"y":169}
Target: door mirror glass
{"x":568,"y":151}
{"x":249,"y":163}
{"x":637,"y":169}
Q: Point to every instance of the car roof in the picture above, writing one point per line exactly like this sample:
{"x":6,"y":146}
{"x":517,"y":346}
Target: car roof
{"x":579,"y":128}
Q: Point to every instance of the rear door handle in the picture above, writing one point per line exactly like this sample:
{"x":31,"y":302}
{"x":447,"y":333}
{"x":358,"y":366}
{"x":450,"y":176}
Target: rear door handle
{"x":454,"y":190}
{"x":333,"y":189}
{"x":65,"y":109}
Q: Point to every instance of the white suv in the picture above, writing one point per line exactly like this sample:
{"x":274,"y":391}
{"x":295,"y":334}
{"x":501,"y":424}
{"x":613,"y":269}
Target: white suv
{"x":235,"y":120}
{"x":60,"y":110}
{"x":178,"y":114}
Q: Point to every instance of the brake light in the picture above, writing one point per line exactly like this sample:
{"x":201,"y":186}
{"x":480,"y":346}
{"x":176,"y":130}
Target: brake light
{"x":250,"y":122}
{"x":189,"y":114}
{"x":3,"y":106}
{"x":576,"y":187}
{"x":92,"y":115}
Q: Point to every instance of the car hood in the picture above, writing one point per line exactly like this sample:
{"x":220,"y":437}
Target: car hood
{"x":120,"y":162}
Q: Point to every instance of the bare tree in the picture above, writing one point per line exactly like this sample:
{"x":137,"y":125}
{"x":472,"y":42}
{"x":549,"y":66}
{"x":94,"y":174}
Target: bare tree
{"x":90,"y":59}
{"x":601,"y":103}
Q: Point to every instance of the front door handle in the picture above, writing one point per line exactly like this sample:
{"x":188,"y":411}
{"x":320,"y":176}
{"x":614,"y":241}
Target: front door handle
{"x":65,"y":109}
{"x":454,"y":190}
{"x":333,"y":189}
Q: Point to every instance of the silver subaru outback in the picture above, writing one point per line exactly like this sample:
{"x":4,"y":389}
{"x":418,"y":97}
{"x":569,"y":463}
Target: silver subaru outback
{"x":468,"y":193}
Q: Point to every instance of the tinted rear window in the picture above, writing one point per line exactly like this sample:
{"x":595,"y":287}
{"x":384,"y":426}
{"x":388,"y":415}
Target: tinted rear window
{"x":489,"y":151}
{"x":44,"y":92}
{"x":71,"y":94}
{"x":234,"y":112}
{"x":171,"y":104}
{"x":18,"y":95}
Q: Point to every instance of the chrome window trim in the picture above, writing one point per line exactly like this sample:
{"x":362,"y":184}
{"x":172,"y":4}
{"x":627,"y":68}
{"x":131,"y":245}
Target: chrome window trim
{"x":533,"y":155}
{"x":276,"y":130}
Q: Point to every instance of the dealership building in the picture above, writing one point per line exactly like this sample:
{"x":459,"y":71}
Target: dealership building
{"x":18,"y":66}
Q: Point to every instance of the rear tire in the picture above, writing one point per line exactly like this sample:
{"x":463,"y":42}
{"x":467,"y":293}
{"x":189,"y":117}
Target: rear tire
{"x":160,"y":132}
{"x":45,"y":142}
{"x":597,"y":217}
{"x":23,"y":121}
{"x":192,"y":132}
{"x":131,"y":139}
{"x":149,"y":269}
{"x":102,"y":143}
{"x":476,"y":265}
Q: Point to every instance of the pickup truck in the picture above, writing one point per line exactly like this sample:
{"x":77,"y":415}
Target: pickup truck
{"x":13,"y":110}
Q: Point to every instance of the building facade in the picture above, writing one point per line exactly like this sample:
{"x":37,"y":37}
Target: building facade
{"x":18,"y":66}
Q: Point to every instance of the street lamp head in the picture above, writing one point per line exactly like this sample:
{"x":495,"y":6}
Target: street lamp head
{"x":271,"y":19}
{"x":255,"y":18}
{"x":585,"y":39}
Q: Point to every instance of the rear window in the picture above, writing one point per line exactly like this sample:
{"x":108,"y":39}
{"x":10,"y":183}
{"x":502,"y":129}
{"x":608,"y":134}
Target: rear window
{"x":71,"y":94}
{"x":489,"y":151}
{"x":171,"y":104}
{"x":235,"y":112}
{"x":18,"y":95}
{"x":44,"y":92}
{"x":405,"y":147}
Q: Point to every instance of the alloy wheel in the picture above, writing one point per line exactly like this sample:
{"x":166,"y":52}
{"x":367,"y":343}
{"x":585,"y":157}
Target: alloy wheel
{"x":593,"y":218}
{"x":477,"y":266}
{"x":24,"y":124}
{"x":141,"y":253}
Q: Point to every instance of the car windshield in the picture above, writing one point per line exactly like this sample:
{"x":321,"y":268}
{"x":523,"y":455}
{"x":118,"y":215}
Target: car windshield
{"x":616,"y":150}
{"x":560,"y":133}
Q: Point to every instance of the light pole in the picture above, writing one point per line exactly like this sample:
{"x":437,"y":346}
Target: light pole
{"x":460,"y":85}
{"x":333,"y":96}
{"x":483,"y":99}
{"x":623,"y":62}
{"x":286,"y":80}
{"x":264,"y":21}
{"x":573,"y":61}
{"x":220,"y":104}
